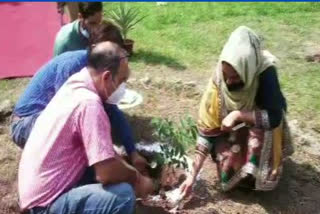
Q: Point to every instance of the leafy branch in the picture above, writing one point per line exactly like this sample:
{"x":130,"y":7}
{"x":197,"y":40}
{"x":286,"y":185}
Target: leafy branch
{"x":178,"y":136}
{"x":126,"y":18}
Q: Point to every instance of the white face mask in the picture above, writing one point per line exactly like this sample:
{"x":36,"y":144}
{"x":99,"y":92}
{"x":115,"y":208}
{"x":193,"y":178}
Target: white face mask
{"x":117,"y":95}
{"x":84,"y":32}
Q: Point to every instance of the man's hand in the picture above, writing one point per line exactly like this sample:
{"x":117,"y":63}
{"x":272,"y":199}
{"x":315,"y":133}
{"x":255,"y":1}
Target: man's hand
{"x":139,"y":162}
{"x":186,"y":187}
{"x":143,"y":186}
{"x":230,"y":121}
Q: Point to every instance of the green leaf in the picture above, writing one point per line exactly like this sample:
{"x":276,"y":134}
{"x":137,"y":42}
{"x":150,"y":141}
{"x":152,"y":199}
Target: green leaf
{"x":126,"y":18}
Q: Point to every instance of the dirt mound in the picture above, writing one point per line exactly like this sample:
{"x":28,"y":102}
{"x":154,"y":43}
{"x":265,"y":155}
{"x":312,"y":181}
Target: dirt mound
{"x":313,"y":57}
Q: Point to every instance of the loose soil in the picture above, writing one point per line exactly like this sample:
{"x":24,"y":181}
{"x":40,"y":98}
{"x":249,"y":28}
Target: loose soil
{"x":165,"y":96}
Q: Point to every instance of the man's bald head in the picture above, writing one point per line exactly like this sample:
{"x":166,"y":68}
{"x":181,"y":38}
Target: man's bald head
{"x":108,"y":66}
{"x":105,"y":56}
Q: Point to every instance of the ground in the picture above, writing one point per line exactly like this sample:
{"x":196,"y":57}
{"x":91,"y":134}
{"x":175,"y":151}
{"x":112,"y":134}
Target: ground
{"x":176,"y":47}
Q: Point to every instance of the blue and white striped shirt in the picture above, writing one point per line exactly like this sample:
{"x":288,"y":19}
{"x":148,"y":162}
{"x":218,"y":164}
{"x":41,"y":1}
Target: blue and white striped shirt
{"x":50,"y":77}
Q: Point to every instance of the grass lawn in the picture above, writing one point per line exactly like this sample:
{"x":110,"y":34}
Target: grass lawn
{"x":185,"y":39}
{"x":188,"y":38}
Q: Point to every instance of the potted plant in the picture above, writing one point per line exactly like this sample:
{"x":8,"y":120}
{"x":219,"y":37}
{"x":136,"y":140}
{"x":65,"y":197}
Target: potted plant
{"x":126,"y":18}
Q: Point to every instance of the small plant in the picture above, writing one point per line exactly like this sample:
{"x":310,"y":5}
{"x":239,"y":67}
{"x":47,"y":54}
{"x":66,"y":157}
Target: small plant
{"x":179,"y":138}
{"x":126,"y":18}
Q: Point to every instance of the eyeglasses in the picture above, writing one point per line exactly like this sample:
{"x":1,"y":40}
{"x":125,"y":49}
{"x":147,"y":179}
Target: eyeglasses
{"x":126,"y":55}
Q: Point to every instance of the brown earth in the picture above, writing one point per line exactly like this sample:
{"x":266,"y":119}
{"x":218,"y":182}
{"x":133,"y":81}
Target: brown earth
{"x":166,"y":96}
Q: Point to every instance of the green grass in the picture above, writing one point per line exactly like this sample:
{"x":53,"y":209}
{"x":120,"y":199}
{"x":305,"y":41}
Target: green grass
{"x":11,"y":89}
{"x":188,"y":37}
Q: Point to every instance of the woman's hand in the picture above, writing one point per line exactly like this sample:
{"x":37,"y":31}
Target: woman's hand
{"x":230,"y":120}
{"x":186,"y":187}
